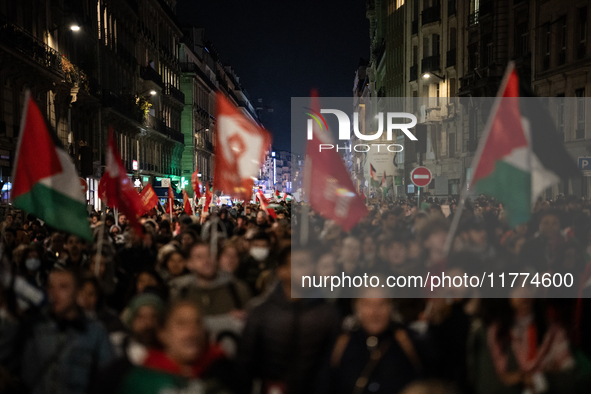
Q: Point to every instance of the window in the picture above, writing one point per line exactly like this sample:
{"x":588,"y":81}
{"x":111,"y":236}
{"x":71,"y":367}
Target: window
{"x":487,"y":50}
{"x":560,"y":115}
{"x":582,"y":33}
{"x":98,"y":17}
{"x":580,"y":131}
{"x":472,"y":56}
{"x":547,"y":47}
{"x":522,"y":35}
{"x":452,"y":87}
{"x":452,"y":38}
{"x":435,"y":45}
{"x":562,"y":40}
{"x":426,"y":52}
{"x":437,"y":93}
{"x":451,"y":144}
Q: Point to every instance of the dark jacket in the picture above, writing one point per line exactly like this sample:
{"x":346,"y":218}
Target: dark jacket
{"x":397,"y":367}
{"x":61,"y":357}
{"x":287,"y":341}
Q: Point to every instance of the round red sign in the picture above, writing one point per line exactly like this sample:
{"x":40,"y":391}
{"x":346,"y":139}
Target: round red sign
{"x":421,"y":176}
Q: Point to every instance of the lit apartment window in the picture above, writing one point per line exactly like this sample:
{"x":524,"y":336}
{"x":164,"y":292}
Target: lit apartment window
{"x":98,"y":17}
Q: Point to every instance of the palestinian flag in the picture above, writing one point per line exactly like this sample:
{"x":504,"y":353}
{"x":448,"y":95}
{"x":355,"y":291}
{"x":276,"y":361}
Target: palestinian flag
{"x":46,"y":182}
{"x":372,"y":173}
{"x":520,"y":154}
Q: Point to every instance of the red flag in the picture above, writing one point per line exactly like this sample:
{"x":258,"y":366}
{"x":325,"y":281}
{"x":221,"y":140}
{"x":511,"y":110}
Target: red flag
{"x":239,"y":151}
{"x":272,"y":213}
{"x":170,"y":200}
{"x":277,"y":194}
{"x":208,"y":196}
{"x":261,"y":196}
{"x":149,"y":198}
{"x":333,"y":194}
{"x":187,"y":203}
{"x":118,"y":189}
{"x":196,"y":185}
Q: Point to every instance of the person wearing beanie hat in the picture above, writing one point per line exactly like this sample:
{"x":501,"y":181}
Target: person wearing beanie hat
{"x":141,"y":318}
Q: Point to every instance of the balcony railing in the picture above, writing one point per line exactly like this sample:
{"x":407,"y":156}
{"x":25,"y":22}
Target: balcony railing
{"x":160,"y":126}
{"x":451,"y":7}
{"x":432,"y":14}
{"x":450,"y":58}
{"x":473,"y":19}
{"x":30,"y":46}
{"x":149,"y":74}
{"x":175,"y":93}
{"x":175,"y":135}
{"x":122,"y":104}
{"x":431,"y":63}
{"x":415,"y":27}
{"x":414,"y":72}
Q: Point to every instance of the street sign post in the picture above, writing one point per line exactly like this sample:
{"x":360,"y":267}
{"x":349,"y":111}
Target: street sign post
{"x":421,"y":177}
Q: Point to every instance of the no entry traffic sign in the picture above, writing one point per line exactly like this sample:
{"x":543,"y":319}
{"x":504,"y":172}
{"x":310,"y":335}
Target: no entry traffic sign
{"x":421,"y":176}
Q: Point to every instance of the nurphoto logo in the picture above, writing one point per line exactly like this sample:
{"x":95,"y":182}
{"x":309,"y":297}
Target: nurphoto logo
{"x":345,"y":130}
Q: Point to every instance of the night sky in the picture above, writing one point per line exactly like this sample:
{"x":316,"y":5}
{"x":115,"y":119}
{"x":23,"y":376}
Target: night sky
{"x":281,"y":49}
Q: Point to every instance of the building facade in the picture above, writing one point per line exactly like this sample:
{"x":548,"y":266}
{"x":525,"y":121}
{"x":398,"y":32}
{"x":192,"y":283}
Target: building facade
{"x":203,"y":74}
{"x":100,"y":65}
{"x":460,"y":49}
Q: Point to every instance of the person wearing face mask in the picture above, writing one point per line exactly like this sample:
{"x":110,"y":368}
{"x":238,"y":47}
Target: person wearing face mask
{"x":30,"y":267}
{"x":256,"y":262}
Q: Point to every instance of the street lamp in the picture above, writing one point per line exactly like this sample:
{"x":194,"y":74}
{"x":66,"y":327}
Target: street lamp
{"x":75,"y":27}
{"x":152,"y":92}
{"x":429,"y":74}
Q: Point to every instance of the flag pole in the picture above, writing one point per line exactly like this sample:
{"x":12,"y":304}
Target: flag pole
{"x":465,"y":192}
{"x":455,"y":221}
{"x":305,"y":225}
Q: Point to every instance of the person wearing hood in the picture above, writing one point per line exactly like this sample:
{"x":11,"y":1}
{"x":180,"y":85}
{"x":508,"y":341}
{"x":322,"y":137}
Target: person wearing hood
{"x":142,"y":316}
{"x":216,"y":292}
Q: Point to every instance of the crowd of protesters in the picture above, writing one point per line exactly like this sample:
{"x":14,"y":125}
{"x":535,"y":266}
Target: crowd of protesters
{"x":207,"y":303}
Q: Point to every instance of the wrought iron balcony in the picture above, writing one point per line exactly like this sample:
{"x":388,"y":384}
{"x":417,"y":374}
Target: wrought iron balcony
{"x":30,"y":46}
{"x":149,"y":74}
{"x":431,"y":63}
{"x":431,"y":14}
{"x":123,"y":104}
{"x":174,"y":93}
{"x":473,"y":19}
